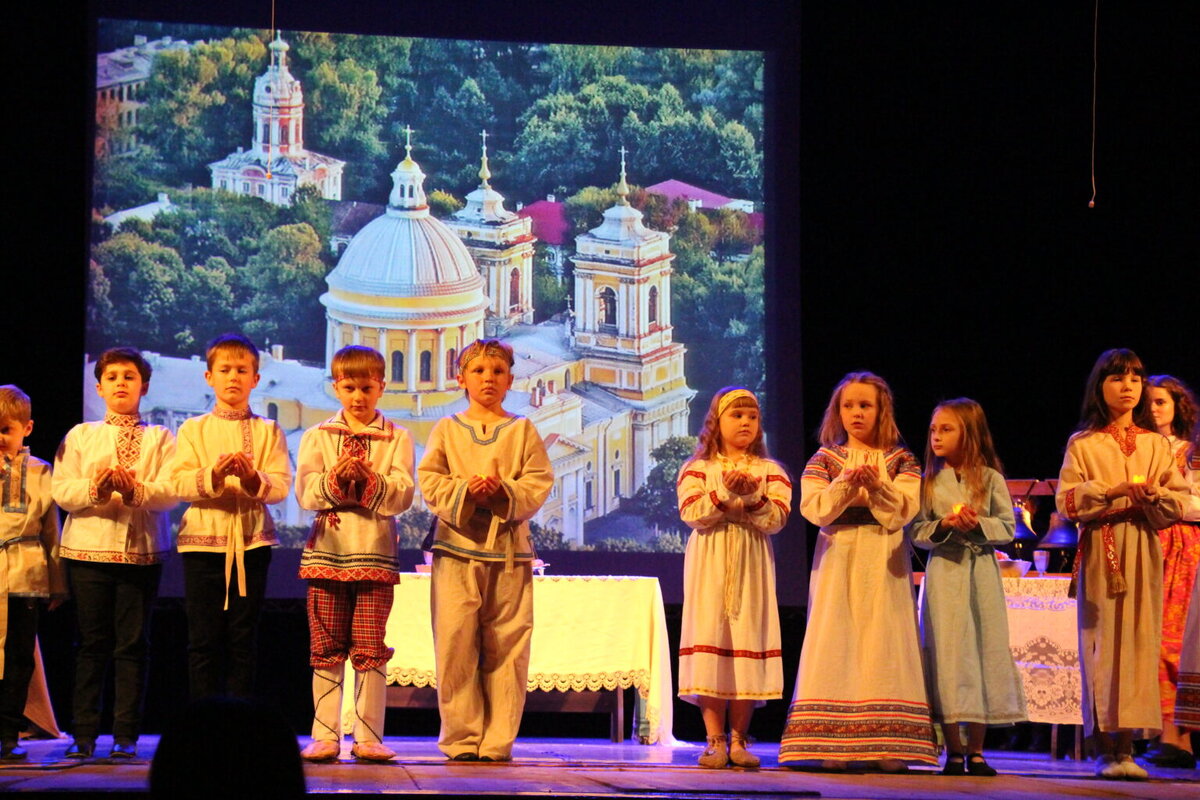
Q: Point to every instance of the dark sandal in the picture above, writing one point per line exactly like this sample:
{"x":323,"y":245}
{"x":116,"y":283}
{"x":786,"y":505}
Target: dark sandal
{"x":978,"y":767}
{"x":955,"y":764}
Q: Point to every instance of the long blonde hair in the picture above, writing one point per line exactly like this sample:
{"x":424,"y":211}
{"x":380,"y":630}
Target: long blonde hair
{"x":709,"y":441}
{"x":887,"y":435}
{"x":976,"y":447}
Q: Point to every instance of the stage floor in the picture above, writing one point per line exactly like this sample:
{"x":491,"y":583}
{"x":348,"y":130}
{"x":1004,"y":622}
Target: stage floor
{"x":589,"y":768}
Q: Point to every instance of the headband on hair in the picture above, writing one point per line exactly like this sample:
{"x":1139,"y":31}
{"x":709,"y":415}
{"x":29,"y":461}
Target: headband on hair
{"x":475,"y":350}
{"x":728,"y":398}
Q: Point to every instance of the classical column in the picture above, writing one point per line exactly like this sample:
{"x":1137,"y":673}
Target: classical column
{"x":410,"y":369}
{"x":439,"y":361}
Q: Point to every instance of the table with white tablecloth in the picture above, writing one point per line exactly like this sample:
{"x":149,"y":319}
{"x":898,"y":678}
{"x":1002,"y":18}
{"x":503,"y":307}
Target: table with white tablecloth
{"x":589,"y":633}
{"x":1043,"y":634}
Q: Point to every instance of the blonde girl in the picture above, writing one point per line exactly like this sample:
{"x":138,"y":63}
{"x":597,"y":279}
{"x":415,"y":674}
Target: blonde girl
{"x":860,"y":694}
{"x":734,"y":497}
{"x":966,"y":512}
{"x":1120,"y":483}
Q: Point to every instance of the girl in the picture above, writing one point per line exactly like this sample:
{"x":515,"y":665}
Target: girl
{"x":734,"y":497}
{"x":1119,"y":481}
{"x":965,"y":512}
{"x":1173,"y":409}
{"x":860,"y":694}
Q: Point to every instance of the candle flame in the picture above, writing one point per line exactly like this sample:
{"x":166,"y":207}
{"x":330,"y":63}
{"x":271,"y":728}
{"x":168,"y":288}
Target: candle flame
{"x":1139,"y":478}
{"x":958,"y":507}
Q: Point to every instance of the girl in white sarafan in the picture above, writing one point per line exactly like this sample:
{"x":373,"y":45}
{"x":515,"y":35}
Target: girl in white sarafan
{"x":735,"y":498}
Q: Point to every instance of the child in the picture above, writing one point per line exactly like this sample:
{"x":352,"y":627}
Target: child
{"x":733,"y":497}
{"x":112,"y":479}
{"x":860,"y":693}
{"x":1173,"y":409}
{"x":229,"y":464}
{"x":965,"y":512}
{"x":1119,"y":481}
{"x":484,"y":474}
{"x":29,"y":567}
{"x":356,"y":471}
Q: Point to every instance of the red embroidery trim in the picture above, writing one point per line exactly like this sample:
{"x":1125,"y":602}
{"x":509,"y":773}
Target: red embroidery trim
{"x":781,"y":479}
{"x":687,"y":502}
{"x":1129,"y":443}
{"x":721,"y":651}
{"x":716,"y":501}
{"x":690,"y":473}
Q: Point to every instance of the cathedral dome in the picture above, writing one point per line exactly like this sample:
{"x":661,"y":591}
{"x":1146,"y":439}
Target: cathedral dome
{"x":406,"y":252}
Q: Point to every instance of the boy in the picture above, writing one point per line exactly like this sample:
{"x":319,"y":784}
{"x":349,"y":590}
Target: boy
{"x":112,"y":479}
{"x":29,"y":565}
{"x":356,"y":471}
{"x":484,"y":474}
{"x":229,"y":464}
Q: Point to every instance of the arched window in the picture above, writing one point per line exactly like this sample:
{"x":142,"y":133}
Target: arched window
{"x":608,"y":306}
{"x":398,"y":366}
{"x":514,"y":288}
{"x":426,"y":365}
{"x":273,"y":411}
{"x":566,"y":380}
{"x":451,"y":364}
{"x":653,"y":313}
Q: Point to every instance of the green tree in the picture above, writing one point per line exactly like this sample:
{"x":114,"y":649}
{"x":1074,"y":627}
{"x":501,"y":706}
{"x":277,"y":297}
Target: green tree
{"x":344,"y":118}
{"x":574,"y":66}
{"x":442,"y":204}
{"x":136,"y":281}
{"x":549,"y":293}
{"x":286,"y":278}
{"x":655,"y":500}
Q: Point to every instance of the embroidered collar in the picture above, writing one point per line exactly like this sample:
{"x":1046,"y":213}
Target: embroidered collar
{"x":377,"y":429}
{"x":221,"y":413}
{"x":122,"y":420}
{"x":1126,"y":441}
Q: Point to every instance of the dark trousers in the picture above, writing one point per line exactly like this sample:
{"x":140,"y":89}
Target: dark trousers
{"x":18,"y":664}
{"x":223,"y":642}
{"x":112,"y":605}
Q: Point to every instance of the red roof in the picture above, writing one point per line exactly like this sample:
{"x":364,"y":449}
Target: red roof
{"x":550,"y":223}
{"x":673,"y":189}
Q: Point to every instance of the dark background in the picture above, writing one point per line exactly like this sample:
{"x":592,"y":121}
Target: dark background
{"x":929,"y":175}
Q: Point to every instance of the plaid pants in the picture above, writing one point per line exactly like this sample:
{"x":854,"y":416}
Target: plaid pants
{"x":347,"y":619}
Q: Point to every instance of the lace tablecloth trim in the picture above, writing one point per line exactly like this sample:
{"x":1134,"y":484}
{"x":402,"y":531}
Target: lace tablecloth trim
{"x":548,"y":682}
{"x":1037,"y":594}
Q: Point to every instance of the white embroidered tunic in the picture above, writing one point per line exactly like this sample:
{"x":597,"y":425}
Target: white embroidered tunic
{"x":459,"y":448}
{"x":29,"y":560}
{"x":109,"y":529}
{"x":230,"y":520}
{"x":354,"y":538}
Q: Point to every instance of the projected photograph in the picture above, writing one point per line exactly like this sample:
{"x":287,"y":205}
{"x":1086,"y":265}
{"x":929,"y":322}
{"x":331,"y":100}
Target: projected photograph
{"x":599,"y":208}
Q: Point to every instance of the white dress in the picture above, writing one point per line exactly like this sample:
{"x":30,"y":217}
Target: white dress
{"x":860,"y":694}
{"x":729,"y":643}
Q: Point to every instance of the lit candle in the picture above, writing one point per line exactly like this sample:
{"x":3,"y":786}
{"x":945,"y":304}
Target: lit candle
{"x":958,"y":507}
{"x":1139,"y":478}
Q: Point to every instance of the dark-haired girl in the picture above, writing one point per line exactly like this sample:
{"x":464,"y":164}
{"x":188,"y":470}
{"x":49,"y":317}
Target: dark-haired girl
{"x":1119,"y":481}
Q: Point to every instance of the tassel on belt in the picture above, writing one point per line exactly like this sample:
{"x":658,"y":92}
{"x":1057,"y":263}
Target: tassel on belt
{"x":1114,"y":576}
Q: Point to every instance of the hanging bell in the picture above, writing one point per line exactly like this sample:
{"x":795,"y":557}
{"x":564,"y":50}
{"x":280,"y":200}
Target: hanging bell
{"x":1023,"y":532}
{"x":1061,"y":535}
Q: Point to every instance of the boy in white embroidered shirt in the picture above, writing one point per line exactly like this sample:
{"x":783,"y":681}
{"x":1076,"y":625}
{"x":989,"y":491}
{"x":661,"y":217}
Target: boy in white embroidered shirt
{"x":30,"y":571}
{"x":356,"y":471}
{"x":112,"y":479}
{"x":230,"y":465}
{"x":484,"y":475}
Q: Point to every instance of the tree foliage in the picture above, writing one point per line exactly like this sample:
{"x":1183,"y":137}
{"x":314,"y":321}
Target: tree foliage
{"x":655,"y":501}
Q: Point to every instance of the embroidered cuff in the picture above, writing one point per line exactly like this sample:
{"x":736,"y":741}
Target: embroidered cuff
{"x":139,"y":495}
{"x":757,"y":505}
{"x":331,"y":490}
{"x":373,"y":491}
{"x":93,"y":493}
{"x":204,"y":487}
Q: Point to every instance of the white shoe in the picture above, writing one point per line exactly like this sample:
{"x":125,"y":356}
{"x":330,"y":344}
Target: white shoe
{"x":1108,"y":767}
{"x":1131,"y":769}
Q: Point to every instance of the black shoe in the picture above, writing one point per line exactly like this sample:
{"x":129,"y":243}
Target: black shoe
{"x":1172,"y":757}
{"x":978,"y":767}
{"x":465,"y":757}
{"x":81,"y":748}
{"x":124,"y":749}
{"x":955,"y":764}
{"x":495,"y":758}
{"x":11,"y":751}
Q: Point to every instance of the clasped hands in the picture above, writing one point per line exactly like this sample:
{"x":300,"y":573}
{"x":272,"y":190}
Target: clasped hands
{"x":351,"y":474}
{"x":863,"y":477}
{"x":963,"y":520}
{"x":483,"y":489}
{"x":1139,"y":493}
{"x":115,"y":479}
{"x":239,"y":466}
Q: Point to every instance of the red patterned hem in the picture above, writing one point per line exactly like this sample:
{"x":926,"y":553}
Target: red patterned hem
{"x":111,"y":556}
{"x":353,"y":574}
{"x":726,"y":653}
